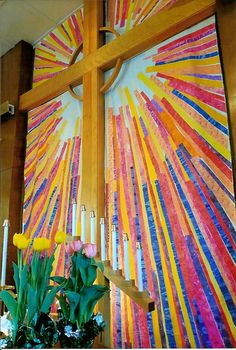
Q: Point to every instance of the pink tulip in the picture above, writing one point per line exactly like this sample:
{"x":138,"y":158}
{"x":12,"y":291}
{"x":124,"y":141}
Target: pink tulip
{"x":69,"y":249}
{"x":90,"y":250}
{"x":77,"y":245}
{"x":74,"y":246}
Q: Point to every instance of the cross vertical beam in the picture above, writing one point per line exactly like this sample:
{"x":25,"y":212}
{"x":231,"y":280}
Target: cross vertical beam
{"x":92,"y":191}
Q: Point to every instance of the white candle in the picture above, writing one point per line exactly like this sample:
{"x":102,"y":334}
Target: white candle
{"x":83,"y":223}
{"x":4,"y":253}
{"x":114,"y":249}
{"x":126,"y":256}
{"x":139,"y":266}
{"x":74,"y":209}
{"x":92,"y":227}
{"x":103,"y":239}
{"x":23,"y":224}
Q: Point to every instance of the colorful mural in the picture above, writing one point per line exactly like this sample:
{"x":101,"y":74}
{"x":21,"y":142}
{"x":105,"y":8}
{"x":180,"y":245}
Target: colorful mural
{"x":169,"y":185}
{"x":54,"y":52}
{"x":52,"y":168}
{"x":122,"y":15}
{"x":168,"y":178}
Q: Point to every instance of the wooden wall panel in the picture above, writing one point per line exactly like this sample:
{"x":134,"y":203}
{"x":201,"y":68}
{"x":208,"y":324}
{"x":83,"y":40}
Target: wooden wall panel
{"x":226,"y":18}
{"x":16,"y":78}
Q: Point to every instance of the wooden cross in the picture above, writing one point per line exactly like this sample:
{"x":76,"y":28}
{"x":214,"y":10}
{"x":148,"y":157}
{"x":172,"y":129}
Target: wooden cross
{"x":98,"y":58}
{"x":89,"y":70}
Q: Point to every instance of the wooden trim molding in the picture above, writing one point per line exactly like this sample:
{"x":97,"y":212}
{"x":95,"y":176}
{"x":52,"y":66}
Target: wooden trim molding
{"x":118,"y":65}
{"x":72,"y":61}
{"x":226,"y":15}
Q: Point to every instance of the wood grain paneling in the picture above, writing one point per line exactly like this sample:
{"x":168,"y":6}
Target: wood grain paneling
{"x":16,"y":78}
{"x":226,"y":20}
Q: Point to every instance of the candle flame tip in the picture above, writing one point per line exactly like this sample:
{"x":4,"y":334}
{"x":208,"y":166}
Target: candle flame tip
{"x":83,"y":207}
{"x":102,"y":220}
{"x":92,"y":214}
{"x":125,"y":237}
{"x":6,"y":223}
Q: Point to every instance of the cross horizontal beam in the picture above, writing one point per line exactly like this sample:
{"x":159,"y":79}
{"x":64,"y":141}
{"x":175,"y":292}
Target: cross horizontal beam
{"x":154,"y":30}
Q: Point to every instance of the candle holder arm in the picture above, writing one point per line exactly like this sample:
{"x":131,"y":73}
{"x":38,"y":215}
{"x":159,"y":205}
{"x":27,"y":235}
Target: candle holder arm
{"x":128,"y":287}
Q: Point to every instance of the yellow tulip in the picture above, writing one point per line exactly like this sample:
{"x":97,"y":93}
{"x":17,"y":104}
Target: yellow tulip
{"x":20,"y":241}
{"x":47,"y":243}
{"x":60,"y":237}
{"x":16,"y":238}
{"x":41,"y":243}
{"x":38,"y":244}
{"x":23,"y":243}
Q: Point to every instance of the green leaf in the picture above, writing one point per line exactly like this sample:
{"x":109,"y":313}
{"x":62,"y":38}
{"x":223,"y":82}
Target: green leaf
{"x":32,"y":303}
{"x":74,"y":299}
{"x":23,"y":278}
{"x":64,"y":306}
{"x":70,"y":283}
{"x":59,"y":279}
{"x":48,"y":288}
{"x":34,"y":265}
{"x":91,"y":275}
{"x":83,"y":264}
{"x":16,"y":277}
{"x":82,"y":261}
{"x":45,"y":272}
{"x":22,"y":293}
{"x":10,"y":302}
{"x":49,"y":266}
{"x":49,"y":300}
{"x":100,"y":265}
{"x":89,"y":296}
{"x":83,"y":275}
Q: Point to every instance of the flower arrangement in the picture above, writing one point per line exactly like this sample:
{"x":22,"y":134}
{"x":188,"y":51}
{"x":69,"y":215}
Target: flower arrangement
{"x":31,"y":325}
{"x":78,"y":296}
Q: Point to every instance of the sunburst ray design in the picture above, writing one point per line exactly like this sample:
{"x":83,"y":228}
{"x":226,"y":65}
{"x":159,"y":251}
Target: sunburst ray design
{"x":123,"y":15}
{"x":169,"y":185}
{"x":54,"y":52}
{"x":52,"y":170}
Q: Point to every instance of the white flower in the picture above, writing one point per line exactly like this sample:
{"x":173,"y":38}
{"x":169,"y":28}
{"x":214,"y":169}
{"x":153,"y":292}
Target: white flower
{"x":5,"y":324}
{"x":69,"y":333}
{"x":3,"y":343}
{"x":99,"y":319}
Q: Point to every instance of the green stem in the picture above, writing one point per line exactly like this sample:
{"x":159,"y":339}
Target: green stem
{"x":19,"y":259}
{"x":37,"y":258}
